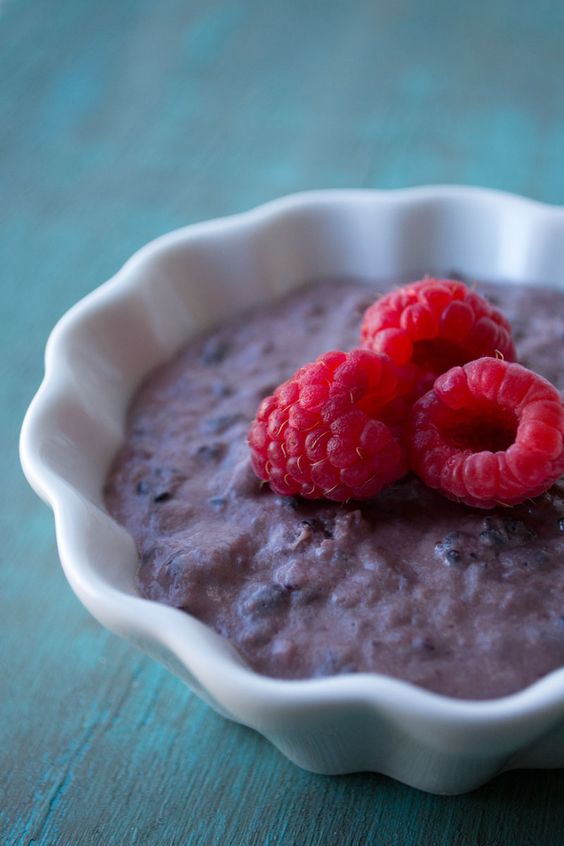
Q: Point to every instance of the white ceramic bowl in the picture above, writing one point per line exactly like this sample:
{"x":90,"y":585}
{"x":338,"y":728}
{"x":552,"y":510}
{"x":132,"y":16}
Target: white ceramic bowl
{"x":189,"y":279}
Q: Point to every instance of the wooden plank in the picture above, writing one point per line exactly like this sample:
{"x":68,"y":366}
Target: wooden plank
{"x":120,"y":121}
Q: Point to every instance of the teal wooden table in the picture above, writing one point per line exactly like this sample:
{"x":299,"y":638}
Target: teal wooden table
{"x":120,"y":121}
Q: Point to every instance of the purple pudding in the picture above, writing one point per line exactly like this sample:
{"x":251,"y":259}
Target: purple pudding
{"x":463,"y":602}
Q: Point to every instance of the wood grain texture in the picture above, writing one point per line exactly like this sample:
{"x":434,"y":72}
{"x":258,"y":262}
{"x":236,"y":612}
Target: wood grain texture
{"x":118,"y":122}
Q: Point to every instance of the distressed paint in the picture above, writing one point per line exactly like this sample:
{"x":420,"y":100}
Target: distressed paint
{"x":120,"y":121}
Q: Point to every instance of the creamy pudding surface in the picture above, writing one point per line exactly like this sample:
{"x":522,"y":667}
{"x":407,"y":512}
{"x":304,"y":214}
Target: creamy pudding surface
{"x":461,"y":601}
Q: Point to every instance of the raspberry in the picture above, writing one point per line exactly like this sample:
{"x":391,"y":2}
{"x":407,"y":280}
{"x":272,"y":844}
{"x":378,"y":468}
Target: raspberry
{"x":332,"y":430}
{"x":489,"y":433}
{"x":433,"y":325}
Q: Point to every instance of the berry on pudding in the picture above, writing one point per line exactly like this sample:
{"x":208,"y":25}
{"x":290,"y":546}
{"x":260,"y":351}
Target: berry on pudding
{"x":433,"y":325}
{"x":489,"y":433}
{"x":331,"y":430}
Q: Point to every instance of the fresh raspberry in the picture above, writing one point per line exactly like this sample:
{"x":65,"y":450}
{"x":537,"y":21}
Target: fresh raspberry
{"x":489,"y":433}
{"x":332,"y":429}
{"x":434,"y":325}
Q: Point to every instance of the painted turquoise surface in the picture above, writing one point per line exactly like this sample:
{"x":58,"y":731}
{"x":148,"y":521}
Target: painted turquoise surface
{"x":118,"y":122}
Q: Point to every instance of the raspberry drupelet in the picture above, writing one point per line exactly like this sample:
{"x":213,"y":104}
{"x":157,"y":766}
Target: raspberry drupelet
{"x":489,"y":433}
{"x":332,"y":430}
{"x":433,"y":325}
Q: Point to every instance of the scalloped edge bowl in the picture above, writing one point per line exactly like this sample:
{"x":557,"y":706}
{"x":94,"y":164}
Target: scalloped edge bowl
{"x":190,"y":279}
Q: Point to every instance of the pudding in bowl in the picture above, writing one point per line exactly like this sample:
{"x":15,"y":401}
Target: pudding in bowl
{"x":463,"y":602}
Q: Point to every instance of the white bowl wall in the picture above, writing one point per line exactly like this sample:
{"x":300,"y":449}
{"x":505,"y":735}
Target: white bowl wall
{"x":188,"y":280}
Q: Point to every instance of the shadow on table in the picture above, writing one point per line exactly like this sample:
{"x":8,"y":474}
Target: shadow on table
{"x":282,"y":804}
{"x":514,"y":809}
